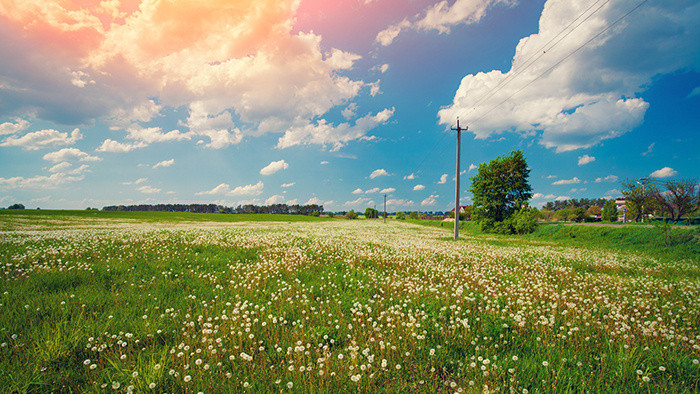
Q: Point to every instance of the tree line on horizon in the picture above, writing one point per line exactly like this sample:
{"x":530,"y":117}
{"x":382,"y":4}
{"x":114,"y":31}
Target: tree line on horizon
{"x":296,"y":209}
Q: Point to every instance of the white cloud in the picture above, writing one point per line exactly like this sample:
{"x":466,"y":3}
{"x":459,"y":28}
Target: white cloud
{"x":109,"y":145}
{"x":572,"y":181}
{"x":572,"y":98}
{"x":359,"y":201}
{"x":274,"y":167}
{"x":247,"y":190}
{"x":38,"y":182}
{"x":562,"y":198}
{"x":665,"y":172}
{"x":384,"y":68}
{"x":357,"y":191}
{"x":60,"y":167}
{"x":378,"y":172}
{"x":276,"y":199}
{"x":349,"y":111}
{"x":224,"y":188}
{"x":323,"y":163}
{"x":418,"y":187}
{"x":549,"y":196}
{"x":649,"y":149}
{"x":441,"y":17}
{"x":148,"y":189}
{"x":585,"y":159}
{"x":430,"y":201}
{"x":399,"y":202}
{"x":293,"y":201}
{"x":443,"y":179}
{"x":314,"y":201}
{"x":411,"y":176}
{"x":372,"y":190}
{"x":288,"y":184}
{"x":43,"y":139}
{"x":472,"y":167}
{"x":537,"y":196}
{"x":695,"y":92}
{"x":69,"y":154}
{"x":323,"y":133}
{"x":136,"y":182}
{"x":12,"y":128}
{"x":609,"y":178}
{"x":387,"y":190}
{"x":164,"y":163}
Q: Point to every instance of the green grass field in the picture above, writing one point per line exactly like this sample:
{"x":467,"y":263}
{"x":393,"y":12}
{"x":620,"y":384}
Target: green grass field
{"x":151,"y":302}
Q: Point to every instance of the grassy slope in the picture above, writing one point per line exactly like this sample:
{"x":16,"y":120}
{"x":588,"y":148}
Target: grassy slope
{"x":680,"y":244}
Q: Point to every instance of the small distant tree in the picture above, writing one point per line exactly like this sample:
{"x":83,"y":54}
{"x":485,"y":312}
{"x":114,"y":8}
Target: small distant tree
{"x":413,"y":215}
{"x":331,"y":214}
{"x":16,"y":206}
{"x":609,"y":211}
{"x":316,"y":213}
{"x":351,"y":214}
{"x":401,"y":215}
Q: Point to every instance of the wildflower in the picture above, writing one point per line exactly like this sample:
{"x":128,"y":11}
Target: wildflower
{"x":662,"y":368}
{"x":116,"y":385}
{"x":156,"y":367}
{"x":290,"y":385}
{"x":188,"y":378}
{"x":87,"y":362}
{"x":545,"y":363}
{"x":152,"y":386}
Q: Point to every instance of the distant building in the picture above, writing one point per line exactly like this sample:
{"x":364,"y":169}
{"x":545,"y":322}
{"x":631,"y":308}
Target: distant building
{"x":462,"y":208}
{"x":621,"y":209}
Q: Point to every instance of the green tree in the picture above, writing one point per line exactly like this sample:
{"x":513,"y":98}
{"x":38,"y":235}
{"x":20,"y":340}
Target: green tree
{"x":413,"y":215}
{"x":609,"y":211}
{"x":351,"y":214}
{"x":371,"y":213}
{"x":639,"y":197}
{"x":679,"y":198}
{"x":16,"y":206}
{"x":500,"y":188}
{"x":400,"y":215}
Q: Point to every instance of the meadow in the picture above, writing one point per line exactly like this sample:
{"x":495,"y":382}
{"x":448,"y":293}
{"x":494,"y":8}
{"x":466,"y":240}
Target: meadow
{"x":137,"y":302}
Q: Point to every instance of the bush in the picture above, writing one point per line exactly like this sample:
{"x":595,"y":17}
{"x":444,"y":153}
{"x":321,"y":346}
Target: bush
{"x":315,"y":213}
{"x":351,"y":214}
{"x":413,"y":215}
{"x":331,"y":214}
{"x":16,"y":206}
{"x":400,"y":215}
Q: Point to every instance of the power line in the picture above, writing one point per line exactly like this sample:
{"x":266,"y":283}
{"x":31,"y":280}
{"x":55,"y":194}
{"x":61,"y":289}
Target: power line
{"x":539,"y":53}
{"x":528,"y":63}
{"x":562,"y":59}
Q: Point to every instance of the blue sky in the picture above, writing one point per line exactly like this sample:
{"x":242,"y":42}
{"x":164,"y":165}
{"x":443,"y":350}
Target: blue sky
{"x":338,"y":103}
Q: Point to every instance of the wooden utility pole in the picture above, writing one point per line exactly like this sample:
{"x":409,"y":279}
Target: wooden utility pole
{"x":459,"y":139}
{"x":385,"y":209}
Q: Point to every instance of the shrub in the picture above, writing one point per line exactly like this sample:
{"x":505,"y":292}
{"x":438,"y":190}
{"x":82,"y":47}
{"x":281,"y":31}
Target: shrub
{"x":351,"y":214}
{"x":401,"y":215}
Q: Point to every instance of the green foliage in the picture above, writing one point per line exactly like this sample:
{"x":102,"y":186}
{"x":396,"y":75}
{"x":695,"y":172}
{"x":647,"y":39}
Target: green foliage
{"x":401,"y":215}
{"x":371,"y":213}
{"x":331,"y":214}
{"x":609,"y":211}
{"x":16,"y":206}
{"x":500,"y":189}
{"x":315,"y":214}
{"x":413,"y":215}
{"x":639,"y":198}
{"x":351,"y":214}
{"x":679,"y":198}
{"x":594,"y":210}
{"x":524,"y":221}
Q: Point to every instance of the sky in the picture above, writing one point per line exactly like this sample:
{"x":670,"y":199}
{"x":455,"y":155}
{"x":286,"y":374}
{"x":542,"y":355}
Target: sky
{"x":340,"y":102}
